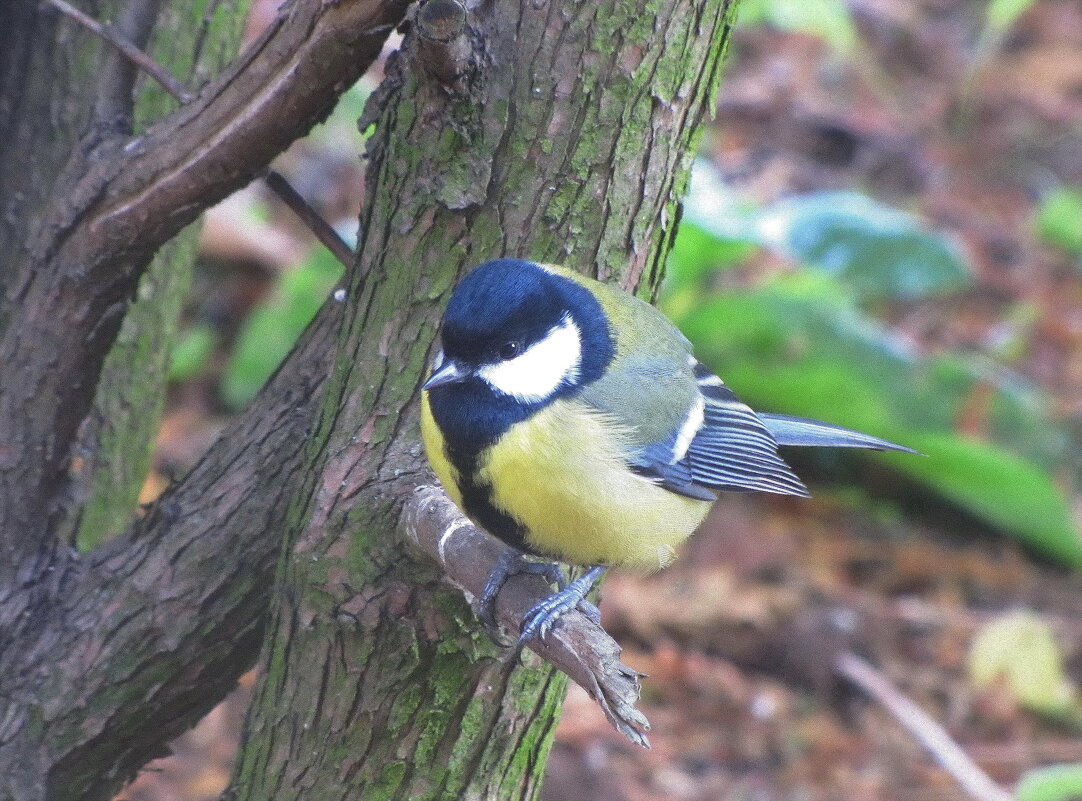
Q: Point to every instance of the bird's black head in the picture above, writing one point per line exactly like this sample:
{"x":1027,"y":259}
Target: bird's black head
{"x":524,"y":331}
{"x":499,"y":310}
{"x":515,"y":337}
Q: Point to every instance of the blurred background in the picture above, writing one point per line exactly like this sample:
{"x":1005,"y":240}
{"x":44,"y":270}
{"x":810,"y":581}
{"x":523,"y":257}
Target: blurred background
{"x":883,"y":230}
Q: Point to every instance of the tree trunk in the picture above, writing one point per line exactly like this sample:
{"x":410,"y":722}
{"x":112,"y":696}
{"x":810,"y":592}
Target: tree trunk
{"x":552,"y":131}
{"x":105,"y":658}
{"x":557,"y":133}
{"x":115,"y":441}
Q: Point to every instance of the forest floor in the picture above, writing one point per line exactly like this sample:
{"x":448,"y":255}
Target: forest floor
{"x":739,"y":637}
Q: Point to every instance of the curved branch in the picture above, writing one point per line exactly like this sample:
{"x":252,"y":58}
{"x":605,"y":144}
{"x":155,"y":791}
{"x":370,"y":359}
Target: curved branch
{"x":120,"y":200}
{"x":145,"y":634}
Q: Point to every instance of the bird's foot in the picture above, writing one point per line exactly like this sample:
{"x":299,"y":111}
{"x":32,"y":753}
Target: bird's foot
{"x":512,"y":563}
{"x":543,"y":616}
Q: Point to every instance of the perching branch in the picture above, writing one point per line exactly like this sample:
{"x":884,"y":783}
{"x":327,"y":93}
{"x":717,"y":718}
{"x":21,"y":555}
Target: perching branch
{"x":577,"y":646}
{"x":149,"y":620}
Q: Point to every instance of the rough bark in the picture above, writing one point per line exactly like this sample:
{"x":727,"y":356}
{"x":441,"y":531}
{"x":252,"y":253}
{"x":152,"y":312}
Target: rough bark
{"x":104,"y":658}
{"x":122,"y":649}
{"x":564,"y":136}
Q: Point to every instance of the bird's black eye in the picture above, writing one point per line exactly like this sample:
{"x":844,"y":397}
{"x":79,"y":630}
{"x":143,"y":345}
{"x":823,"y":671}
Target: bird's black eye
{"x":509,"y":350}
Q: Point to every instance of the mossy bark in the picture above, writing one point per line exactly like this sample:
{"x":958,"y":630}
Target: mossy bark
{"x":106,"y":656}
{"x":566,"y":137}
{"x":117,"y":437}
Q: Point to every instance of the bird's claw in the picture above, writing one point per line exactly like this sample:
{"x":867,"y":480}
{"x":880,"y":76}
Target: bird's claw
{"x":509,"y":564}
{"x":544,"y":615}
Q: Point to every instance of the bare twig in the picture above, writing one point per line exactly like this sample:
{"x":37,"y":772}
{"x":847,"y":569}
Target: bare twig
{"x":322,"y":230}
{"x":133,"y":53}
{"x":277,"y":183}
{"x":115,"y":104}
{"x":576,"y":645}
{"x":926,"y":730}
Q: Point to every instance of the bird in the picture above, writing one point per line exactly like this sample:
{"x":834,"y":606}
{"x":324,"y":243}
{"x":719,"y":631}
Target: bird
{"x":571,"y":420}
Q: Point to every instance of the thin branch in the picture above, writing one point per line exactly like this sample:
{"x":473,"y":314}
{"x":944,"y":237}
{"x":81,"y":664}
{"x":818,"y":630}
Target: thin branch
{"x":115,"y":105}
{"x":576,"y":645}
{"x":923,"y":728}
{"x":133,"y":53}
{"x":201,"y":36}
{"x":277,"y":183}
{"x":322,"y":230}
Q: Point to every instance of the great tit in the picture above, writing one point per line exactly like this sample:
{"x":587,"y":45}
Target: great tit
{"x":570,"y":420}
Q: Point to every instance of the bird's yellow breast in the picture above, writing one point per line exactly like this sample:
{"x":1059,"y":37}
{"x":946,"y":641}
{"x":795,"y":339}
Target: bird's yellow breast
{"x":436,"y":451}
{"x":563,"y":475}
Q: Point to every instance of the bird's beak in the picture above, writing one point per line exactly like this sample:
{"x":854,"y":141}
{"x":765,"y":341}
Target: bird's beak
{"x":447,"y":373}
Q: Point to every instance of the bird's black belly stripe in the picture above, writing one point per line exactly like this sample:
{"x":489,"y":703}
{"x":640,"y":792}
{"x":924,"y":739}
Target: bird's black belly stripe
{"x":471,"y":418}
{"x":477,"y":498}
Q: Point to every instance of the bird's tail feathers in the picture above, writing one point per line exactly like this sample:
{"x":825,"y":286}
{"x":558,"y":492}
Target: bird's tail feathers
{"x":798,"y":431}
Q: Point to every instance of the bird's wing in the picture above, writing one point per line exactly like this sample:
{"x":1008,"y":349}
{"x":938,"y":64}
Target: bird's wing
{"x":733,"y":449}
{"x":686,"y":430}
{"x":689,"y":433}
{"x":798,"y":431}
{"x":652,"y":402}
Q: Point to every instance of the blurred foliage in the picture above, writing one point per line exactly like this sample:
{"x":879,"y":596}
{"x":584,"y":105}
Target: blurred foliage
{"x":877,"y":251}
{"x":338,"y":133}
{"x":1054,"y":783}
{"x":269,"y":332}
{"x":1021,"y":650}
{"x":829,"y":19}
{"x":193,"y":352}
{"x":799,"y":343}
{"x":999,"y":16}
{"x":1059,"y":219}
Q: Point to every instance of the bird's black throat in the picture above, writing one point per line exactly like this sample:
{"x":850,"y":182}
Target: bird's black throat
{"x":472,"y":416}
{"x":501,"y":301}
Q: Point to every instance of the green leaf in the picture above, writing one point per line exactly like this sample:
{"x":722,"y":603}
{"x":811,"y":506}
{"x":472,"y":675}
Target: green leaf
{"x":273,"y":326}
{"x":828,"y":19}
{"x":1004,"y":489}
{"x":1021,"y":649}
{"x":1059,"y":219}
{"x":192,"y":352}
{"x":798,"y":346}
{"x":1052,"y":783}
{"x":878,"y":251}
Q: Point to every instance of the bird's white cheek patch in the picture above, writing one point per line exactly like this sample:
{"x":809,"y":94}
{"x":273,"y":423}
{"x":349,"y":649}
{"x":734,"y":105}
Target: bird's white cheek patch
{"x":541,"y":368}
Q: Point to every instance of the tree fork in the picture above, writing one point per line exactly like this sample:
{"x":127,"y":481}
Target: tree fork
{"x":116,"y":202}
